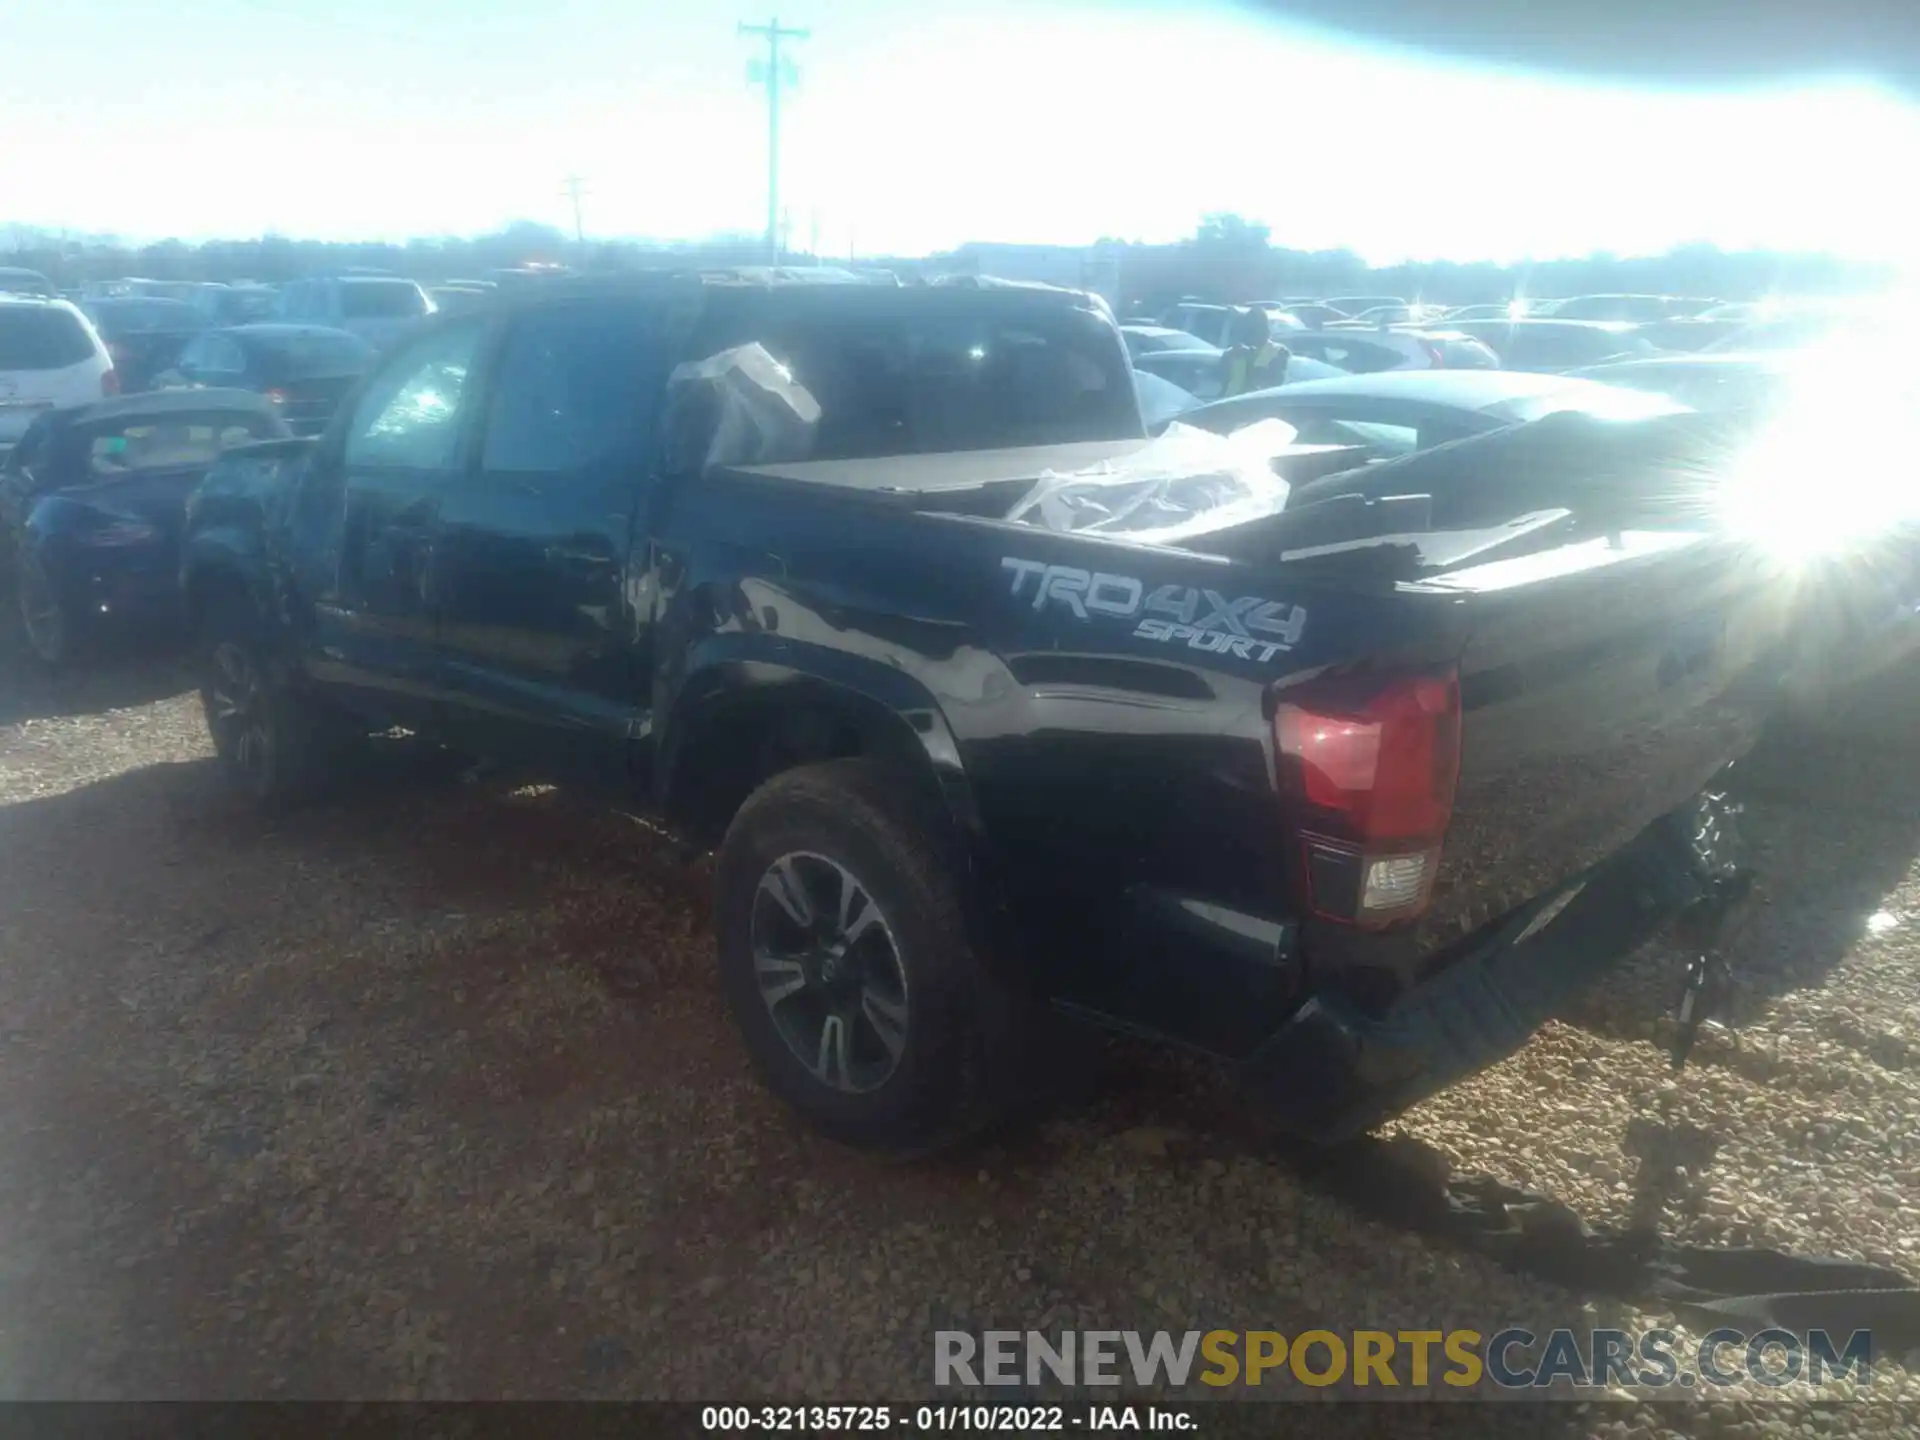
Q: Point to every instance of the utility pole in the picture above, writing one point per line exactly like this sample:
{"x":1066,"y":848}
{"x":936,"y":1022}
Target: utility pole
{"x":573,"y":190}
{"x":777,"y":75}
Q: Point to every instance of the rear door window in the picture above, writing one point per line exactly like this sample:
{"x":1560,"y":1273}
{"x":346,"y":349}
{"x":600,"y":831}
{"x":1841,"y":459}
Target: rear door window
{"x":571,"y":385}
{"x":885,"y":381}
{"x":35,"y":337}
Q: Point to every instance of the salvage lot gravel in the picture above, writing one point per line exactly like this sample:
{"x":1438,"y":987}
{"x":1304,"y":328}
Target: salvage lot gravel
{"x":427,"y":1091}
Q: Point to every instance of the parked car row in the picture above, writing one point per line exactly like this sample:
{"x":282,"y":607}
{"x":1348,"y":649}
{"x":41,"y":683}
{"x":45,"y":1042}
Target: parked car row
{"x":92,"y":501}
{"x":298,"y":346}
{"x":1522,"y":334}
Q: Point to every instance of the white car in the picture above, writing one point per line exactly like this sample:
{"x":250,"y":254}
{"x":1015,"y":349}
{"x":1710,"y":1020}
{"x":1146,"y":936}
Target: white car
{"x":50,"y":358}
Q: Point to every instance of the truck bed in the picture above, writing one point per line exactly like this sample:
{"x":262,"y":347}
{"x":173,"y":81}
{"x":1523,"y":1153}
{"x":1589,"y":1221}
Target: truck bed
{"x":933,"y":475}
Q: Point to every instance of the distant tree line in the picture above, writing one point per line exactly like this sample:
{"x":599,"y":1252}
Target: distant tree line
{"x":1228,"y":259}
{"x":1234,"y":259}
{"x":74,"y":260}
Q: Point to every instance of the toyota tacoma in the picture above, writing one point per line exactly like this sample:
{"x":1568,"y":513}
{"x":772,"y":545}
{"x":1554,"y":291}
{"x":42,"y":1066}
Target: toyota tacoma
{"x":1351,"y":792}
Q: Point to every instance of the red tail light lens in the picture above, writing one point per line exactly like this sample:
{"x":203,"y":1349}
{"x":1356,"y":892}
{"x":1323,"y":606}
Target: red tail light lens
{"x":276,"y":397}
{"x":1437,"y":355}
{"x":110,"y":382}
{"x":1367,"y":767}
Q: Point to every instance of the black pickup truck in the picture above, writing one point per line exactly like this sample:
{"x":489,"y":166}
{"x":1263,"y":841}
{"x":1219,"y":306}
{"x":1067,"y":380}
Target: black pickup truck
{"x":1352,"y":794}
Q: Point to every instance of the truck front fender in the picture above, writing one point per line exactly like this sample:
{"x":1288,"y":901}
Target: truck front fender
{"x":220,"y":565}
{"x":230,"y":516}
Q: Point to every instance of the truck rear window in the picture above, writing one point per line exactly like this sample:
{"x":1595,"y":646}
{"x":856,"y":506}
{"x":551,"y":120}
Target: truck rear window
{"x":33,"y":338}
{"x":919,"y":384}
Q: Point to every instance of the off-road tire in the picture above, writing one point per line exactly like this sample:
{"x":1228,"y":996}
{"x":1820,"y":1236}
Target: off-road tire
{"x":969,"y":1036}
{"x":299,"y":742}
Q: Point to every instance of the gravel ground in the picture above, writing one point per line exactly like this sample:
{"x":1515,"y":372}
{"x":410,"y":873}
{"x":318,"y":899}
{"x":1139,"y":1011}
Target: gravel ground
{"x":427,"y":1091}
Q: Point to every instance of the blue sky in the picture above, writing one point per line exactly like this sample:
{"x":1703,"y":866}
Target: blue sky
{"x":915,"y":127}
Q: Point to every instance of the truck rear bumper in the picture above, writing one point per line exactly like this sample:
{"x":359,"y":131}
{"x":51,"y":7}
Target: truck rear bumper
{"x":1336,"y":1071}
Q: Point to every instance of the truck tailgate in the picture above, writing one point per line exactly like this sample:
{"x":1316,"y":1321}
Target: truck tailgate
{"x":1603,"y":684}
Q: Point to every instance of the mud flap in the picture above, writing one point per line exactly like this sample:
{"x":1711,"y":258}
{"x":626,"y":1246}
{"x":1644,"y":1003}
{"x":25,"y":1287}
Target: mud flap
{"x":1333,"y":1070}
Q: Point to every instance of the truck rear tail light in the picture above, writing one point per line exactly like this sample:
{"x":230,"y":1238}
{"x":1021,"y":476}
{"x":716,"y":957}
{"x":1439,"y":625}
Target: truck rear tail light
{"x":1367,"y":768}
{"x":110,"y":382}
{"x":1437,"y":355}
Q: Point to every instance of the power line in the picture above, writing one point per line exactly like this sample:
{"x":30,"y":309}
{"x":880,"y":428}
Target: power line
{"x":573,"y":190}
{"x":777,"y":75}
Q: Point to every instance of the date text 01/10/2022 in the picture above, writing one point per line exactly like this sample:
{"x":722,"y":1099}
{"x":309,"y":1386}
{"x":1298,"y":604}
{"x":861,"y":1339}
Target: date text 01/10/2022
{"x":937,"y":1419}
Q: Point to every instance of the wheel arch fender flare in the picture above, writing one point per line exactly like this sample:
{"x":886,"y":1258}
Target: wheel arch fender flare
{"x":727,"y":680}
{"x":216,"y":559}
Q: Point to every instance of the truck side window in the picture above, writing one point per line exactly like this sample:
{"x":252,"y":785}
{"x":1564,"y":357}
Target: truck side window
{"x":569,"y":388}
{"x":410,"y":417}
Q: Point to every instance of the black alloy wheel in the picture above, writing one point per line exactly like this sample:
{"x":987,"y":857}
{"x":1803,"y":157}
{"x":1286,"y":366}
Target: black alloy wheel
{"x":829,"y":972}
{"x":847,"y":939}
{"x":240,"y":715}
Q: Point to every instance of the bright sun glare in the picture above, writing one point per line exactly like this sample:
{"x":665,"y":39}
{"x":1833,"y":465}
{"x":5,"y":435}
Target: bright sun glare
{"x":1815,"y":482}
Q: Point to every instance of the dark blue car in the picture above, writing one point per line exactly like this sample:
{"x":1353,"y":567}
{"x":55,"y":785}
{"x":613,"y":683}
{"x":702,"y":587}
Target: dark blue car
{"x":305,"y":370}
{"x":92,"y":501}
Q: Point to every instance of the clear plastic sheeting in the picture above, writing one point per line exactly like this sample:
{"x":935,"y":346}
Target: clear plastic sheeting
{"x":738,"y":407}
{"x":1188,"y":481}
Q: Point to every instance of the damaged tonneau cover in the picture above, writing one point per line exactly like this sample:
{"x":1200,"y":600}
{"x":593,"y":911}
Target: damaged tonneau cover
{"x":951,"y":473}
{"x":1182,"y":483}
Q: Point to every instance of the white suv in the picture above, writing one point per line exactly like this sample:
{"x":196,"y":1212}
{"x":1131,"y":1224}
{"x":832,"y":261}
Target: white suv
{"x":50,"y":358}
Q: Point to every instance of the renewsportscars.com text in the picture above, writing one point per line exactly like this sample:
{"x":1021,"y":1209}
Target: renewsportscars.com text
{"x":1510,"y":1359}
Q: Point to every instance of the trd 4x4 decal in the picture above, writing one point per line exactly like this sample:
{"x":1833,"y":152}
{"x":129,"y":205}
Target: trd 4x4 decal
{"x":1205,"y":620}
